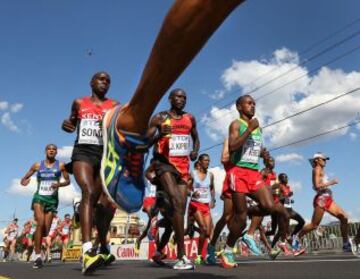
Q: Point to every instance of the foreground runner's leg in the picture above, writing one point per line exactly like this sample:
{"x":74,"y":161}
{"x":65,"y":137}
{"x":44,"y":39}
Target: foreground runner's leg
{"x":225,"y":218}
{"x":185,"y":30}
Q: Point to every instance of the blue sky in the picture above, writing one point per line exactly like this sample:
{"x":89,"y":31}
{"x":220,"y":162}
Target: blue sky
{"x":45,"y":65}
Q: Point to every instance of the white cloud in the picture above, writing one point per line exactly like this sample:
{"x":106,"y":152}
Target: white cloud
{"x":219,"y":94}
{"x":290,"y":157}
{"x":353,"y":136}
{"x":4,"y":105}
{"x":296,"y":186}
{"x":8,"y":122}
{"x":219,"y":176}
{"x":66,"y":194}
{"x":297,"y":96}
{"x":65,"y":152}
{"x":16,"y":107}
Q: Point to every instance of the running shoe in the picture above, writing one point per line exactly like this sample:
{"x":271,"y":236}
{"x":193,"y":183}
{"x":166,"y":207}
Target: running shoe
{"x":158,"y":258}
{"x":91,"y":261}
{"x":355,"y":247}
{"x":211,"y":257}
{"x":347,"y":247}
{"x":38,"y":263}
{"x":299,"y":251}
{"x":274,"y":253}
{"x":122,"y":164}
{"x":250,"y":242}
{"x":199,"y":260}
{"x":183,"y":264}
{"x":108,"y":258}
{"x":284,"y":248}
{"x":227,"y":260}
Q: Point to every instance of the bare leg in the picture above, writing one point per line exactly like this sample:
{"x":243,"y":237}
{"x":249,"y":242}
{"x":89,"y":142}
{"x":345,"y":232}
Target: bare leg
{"x":40,"y":220}
{"x":336,"y":211}
{"x":225,"y":218}
{"x":177,"y":195}
{"x":185,"y":30}
{"x":315,"y":221}
{"x":237,"y":223}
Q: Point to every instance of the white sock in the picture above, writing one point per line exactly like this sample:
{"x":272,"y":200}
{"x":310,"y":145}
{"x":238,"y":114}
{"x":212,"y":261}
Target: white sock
{"x":37,"y":256}
{"x":86,"y":247}
{"x":249,"y":235}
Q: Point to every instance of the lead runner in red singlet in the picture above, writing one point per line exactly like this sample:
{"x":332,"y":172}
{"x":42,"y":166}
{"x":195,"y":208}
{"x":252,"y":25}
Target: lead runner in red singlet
{"x":86,"y":118}
{"x":171,"y":132}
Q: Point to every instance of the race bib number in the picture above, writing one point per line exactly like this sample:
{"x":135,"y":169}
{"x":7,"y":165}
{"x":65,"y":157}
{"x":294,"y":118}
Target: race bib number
{"x":45,"y":188}
{"x":204,"y":194}
{"x":179,"y":145}
{"x":90,"y":132}
{"x":251,"y":151}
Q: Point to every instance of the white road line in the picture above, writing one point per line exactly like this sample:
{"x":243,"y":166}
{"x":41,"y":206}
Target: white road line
{"x":298,"y":261}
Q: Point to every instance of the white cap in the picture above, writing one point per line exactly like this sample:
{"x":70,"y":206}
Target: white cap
{"x":321,"y":156}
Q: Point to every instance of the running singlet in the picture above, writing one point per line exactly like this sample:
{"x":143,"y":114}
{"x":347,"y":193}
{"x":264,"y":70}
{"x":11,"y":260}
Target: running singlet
{"x":270,"y":179}
{"x":46,"y":177}
{"x":150,"y":190}
{"x":285,"y":192}
{"x":323,"y":191}
{"x":90,"y":116}
{"x":13,"y":232}
{"x":203,"y":187}
{"x":248,"y":156}
{"x":176,"y":147}
{"x":65,"y":229}
{"x":33,"y":228}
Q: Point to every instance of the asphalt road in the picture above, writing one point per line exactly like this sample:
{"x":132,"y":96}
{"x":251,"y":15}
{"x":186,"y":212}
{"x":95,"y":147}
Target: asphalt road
{"x":310,"y":266}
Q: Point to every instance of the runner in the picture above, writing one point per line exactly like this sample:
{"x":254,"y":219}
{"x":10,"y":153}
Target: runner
{"x":28,"y":240}
{"x":11,"y":233}
{"x":151,"y":211}
{"x":86,"y":118}
{"x":202,"y":200}
{"x":179,"y":40}
{"x":245,"y":146}
{"x":323,"y":202}
{"x":171,"y":132}
{"x":64,"y":230}
{"x":46,"y":197}
{"x":227,"y":208}
{"x":285,"y":198}
{"x":50,"y":239}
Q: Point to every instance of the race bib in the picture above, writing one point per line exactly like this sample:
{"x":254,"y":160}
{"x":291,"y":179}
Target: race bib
{"x":251,"y":151}
{"x":90,"y":132}
{"x":179,"y":145}
{"x":65,"y":230}
{"x":45,"y":188}
{"x":287,"y":203}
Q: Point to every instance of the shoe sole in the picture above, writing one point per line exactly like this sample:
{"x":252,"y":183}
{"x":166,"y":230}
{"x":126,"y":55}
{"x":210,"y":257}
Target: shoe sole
{"x":251,"y":250}
{"x":300,"y":253}
{"x":93,"y":267}
{"x":103,"y":159}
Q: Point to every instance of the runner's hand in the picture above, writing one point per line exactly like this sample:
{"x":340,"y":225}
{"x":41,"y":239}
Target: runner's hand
{"x":55,"y":186}
{"x":68,"y":126}
{"x":165,"y":130}
{"x":196,"y":195}
{"x":334,"y":181}
{"x":193,"y":155}
{"x":25,"y":182}
{"x":253,"y":124}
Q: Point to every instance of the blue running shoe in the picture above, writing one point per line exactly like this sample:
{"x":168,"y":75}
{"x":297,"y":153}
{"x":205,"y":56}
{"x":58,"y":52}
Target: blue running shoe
{"x":211,"y":257}
{"x":250,"y":242}
{"x":295,"y":244}
{"x":122,"y":165}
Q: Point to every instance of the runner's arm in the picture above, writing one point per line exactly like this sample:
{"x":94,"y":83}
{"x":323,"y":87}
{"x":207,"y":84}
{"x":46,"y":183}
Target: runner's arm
{"x":225,"y":156}
{"x":318,"y":181}
{"x":153,"y":132}
{"x":69,"y":125}
{"x":26,"y":179}
{"x":196,"y":140}
{"x":235,"y":140}
{"x":212,"y":191}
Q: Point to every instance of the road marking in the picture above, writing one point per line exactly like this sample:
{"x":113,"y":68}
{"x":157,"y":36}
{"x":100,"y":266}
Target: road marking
{"x":299,"y":261}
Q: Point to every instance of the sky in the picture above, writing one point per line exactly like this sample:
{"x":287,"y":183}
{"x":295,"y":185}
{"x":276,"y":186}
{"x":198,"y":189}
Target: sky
{"x":290,"y":55}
